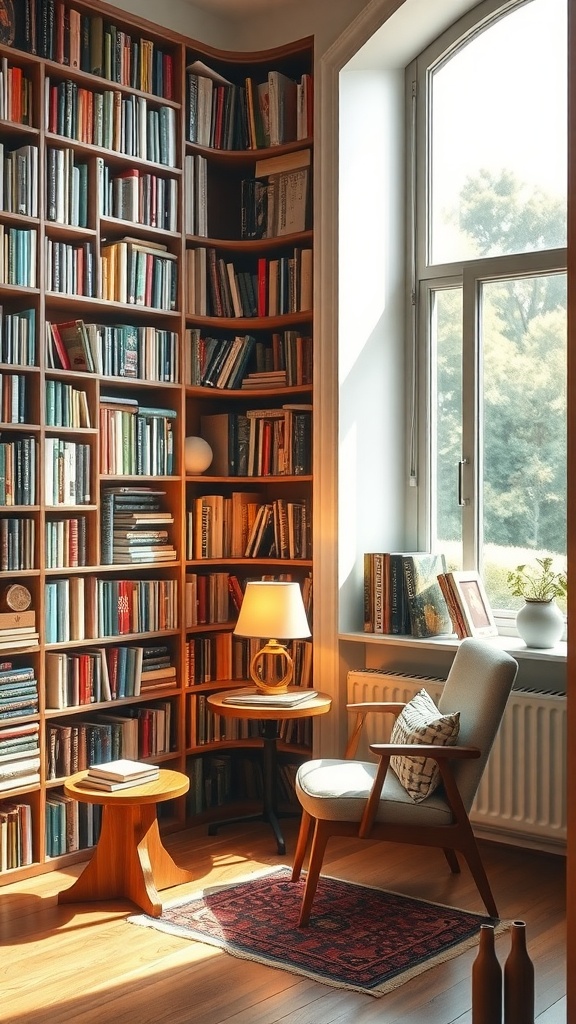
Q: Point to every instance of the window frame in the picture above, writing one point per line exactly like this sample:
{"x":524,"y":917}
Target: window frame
{"x":426,"y":278}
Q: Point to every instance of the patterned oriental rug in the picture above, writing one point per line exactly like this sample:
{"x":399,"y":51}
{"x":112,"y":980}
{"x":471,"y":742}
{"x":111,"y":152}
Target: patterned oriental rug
{"x":359,"y":938}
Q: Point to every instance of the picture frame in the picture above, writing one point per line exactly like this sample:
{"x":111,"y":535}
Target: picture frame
{"x":473,"y":602}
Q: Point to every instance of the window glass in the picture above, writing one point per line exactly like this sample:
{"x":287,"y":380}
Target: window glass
{"x":446,"y":434}
{"x":523,"y":346}
{"x":498,"y":138}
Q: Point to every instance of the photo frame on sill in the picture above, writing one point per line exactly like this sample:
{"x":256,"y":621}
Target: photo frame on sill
{"x":474,"y":604}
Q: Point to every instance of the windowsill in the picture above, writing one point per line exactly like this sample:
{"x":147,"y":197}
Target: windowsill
{"x":512,"y":644}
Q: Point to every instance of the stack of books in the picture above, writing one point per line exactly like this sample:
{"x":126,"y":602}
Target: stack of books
{"x":121,"y":774}
{"x":270,"y":700}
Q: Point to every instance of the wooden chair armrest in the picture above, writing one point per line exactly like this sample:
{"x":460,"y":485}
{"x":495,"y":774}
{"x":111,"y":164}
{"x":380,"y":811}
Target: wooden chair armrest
{"x":443,"y":755}
{"x":424,"y":750}
{"x":393,"y":707}
{"x":362,"y":711}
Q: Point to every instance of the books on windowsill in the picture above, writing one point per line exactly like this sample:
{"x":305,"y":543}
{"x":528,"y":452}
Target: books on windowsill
{"x":270,"y":700}
{"x":119,"y":774}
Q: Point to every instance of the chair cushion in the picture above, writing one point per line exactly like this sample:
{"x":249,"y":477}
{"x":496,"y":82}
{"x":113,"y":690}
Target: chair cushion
{"x":421,"y":722}
{"x":337,"y":790}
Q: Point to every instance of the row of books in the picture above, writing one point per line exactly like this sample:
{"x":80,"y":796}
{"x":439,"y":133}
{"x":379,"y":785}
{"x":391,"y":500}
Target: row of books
{"x":138,"y":273}
{"x":139,"y":732}
{"x":135,"y":527}
{"x":111,"y":120}
{"x":105,"y":674}
{"x":217,"y":362}
{"x":66,"y":188}
{"x":65,"y":542}
{"x":19,"y":180}
{"x":18,"y":256}
{"x":277,"y":205}
{"x":208,"y":597}
{"x":135,"y":440}
{"x":224,"y":115}
{"x":113,"y":350}
{"x":13,"y":403}
{"x":274,"y":288}
{"x":88,"y":42}
{"x":216,"y":780}
{"x":18,"y":471}
{"x":66,"y":472}
{"x":219,"y":526}
{"x":70,"y":825}
{"x":206,"y":726}
{"x":15,"y":835}
{"x":83,"y":608}
{"x":260,"y":442}
{"x":244,"y":525}
{"x":136,"y":606}
{"x":17,"y":543}
{"x":196,"y":195}
{"x":242,"y":361}
{"x":18,"y":337}
{"x":70,"y":268}
{"x":16,"y":91}
{"x":224,"y":656}
{"x":66,"y":406}
{"x":402,"y":594}
{"x":138,"y":196}
{"x":411,"y":592}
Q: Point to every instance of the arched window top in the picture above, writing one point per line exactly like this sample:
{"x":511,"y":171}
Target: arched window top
{"x":497,"y":116}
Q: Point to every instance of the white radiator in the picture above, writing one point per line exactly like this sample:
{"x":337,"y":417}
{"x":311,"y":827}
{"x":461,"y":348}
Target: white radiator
{"x":522,"y":793}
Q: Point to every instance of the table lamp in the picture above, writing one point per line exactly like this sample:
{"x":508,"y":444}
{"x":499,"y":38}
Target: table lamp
{"x":272,"y":609}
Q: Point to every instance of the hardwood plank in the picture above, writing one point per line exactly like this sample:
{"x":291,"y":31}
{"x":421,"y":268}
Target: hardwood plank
{"x":83,"y":962}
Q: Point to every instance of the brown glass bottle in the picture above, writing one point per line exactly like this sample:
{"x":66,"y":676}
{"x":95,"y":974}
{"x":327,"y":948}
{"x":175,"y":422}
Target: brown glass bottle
{"x":486,"y":981}
{"x":518,"y":979}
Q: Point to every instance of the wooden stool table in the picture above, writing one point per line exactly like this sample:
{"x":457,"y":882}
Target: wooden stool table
{"x":129,"y":860}
{"x":269,"y":719}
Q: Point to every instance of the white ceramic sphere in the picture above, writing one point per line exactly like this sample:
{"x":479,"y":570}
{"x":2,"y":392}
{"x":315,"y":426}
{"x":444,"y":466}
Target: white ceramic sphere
{"x":197,"y":454}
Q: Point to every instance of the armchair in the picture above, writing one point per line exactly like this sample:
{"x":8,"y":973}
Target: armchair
{"x":365,"y":799}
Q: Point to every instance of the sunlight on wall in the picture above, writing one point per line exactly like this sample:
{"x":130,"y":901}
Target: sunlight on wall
{"x":363,"y":217}
{"x":347,"y":504}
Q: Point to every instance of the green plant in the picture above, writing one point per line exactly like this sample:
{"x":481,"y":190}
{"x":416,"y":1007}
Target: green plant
{"x":537,"y":583}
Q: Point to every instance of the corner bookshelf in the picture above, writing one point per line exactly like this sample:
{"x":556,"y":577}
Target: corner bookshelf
{"x":107,"y":198}
{"x":256,"y":475}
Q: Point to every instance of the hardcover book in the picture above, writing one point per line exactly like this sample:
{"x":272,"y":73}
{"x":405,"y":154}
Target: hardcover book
{"x":429,"y":615}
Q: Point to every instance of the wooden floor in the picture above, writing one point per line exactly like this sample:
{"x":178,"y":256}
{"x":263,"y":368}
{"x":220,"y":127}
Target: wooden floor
{"x":82,"y":962}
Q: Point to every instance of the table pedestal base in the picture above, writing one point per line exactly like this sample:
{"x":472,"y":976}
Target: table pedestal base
{"x":269,"y":812}
{"x":129,"y":861}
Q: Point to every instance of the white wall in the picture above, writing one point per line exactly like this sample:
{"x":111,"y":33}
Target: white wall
{"x":371,"y":302}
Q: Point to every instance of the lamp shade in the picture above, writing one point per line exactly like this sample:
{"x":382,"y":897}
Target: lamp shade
{"x":272,"y":609}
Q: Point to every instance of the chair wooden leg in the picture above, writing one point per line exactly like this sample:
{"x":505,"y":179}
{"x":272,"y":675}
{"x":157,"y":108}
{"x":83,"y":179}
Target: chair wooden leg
{"x":452,"y":859}
{"x":320,"y":838}
{"x":472,"y":854}
{"x":301,"y":845}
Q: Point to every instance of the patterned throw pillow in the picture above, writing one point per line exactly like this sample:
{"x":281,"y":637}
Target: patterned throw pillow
{"x":421,"y":722}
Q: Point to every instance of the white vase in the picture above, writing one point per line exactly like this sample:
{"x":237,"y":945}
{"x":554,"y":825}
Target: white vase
{"x":540,"y":623}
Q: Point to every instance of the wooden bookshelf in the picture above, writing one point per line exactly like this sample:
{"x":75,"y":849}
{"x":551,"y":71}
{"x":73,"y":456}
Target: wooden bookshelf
{"x":110,"y":202}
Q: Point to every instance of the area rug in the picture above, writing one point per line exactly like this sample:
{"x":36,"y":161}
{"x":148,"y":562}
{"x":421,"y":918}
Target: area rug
{"x":360,"y":938}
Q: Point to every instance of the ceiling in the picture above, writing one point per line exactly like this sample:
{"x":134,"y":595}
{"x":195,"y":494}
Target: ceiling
{"x":235,"y":8}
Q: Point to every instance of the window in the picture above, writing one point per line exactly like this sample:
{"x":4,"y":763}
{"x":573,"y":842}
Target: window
{"x":488,"y":158}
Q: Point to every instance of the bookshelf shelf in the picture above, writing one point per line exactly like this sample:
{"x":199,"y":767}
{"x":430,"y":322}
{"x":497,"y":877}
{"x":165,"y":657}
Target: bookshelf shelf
{"x":97,"y":124}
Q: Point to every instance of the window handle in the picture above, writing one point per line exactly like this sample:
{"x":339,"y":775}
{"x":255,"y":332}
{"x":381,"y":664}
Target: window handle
{"x":462,"y":501}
